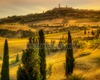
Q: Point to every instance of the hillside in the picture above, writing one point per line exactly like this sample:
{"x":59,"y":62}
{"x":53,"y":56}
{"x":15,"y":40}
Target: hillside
{"x":84,"y":26}
{"x":61,"y":12}
{"x":86,"y":55}
{"x":16,"y":30}
{"x":52,"y":21}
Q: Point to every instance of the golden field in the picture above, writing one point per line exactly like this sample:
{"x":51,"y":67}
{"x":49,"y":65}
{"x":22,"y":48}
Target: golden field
{"x":87,"y":65}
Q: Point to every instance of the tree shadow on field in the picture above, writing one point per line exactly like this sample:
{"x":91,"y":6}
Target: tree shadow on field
{"x":84,"y":54}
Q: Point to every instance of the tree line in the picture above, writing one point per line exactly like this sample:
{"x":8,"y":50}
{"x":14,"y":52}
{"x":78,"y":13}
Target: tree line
{"x":94,"y":33}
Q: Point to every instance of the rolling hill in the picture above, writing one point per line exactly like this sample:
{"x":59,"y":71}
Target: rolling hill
{"x":61,"y":12}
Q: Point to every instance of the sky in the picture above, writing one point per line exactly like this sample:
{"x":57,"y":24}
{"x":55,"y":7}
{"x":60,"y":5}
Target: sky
{"x":23,"y":7}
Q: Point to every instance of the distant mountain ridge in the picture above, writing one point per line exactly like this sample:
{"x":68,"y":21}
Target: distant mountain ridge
{"x":60,"y":12}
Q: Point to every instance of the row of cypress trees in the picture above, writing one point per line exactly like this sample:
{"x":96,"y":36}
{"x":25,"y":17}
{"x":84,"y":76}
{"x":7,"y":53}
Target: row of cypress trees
{"x":33,"y":60}
{"x":33,"y":65}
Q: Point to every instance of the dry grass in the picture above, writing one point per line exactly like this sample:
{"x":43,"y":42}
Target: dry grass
{"x":58,"y":21}
{"x":50,"y":22}
{"x":81,"y":22}
{"x":14,"y":27}
{"x":15,"y":45}
{"x":88,"y":65}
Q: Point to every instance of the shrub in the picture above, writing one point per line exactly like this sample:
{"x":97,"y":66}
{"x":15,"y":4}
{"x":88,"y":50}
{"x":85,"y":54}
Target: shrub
{"x":78,"y":44}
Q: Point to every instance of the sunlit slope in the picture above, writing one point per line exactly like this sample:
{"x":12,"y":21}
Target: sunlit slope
{"x":14,"y":26}
{"x":15,"y":45}
{"x":87,"y":66}
{"x":87,"y":57}
{"x":68,"y":22}
{"x":51,"y":23}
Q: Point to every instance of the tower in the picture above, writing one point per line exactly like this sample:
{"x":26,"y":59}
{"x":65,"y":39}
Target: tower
{"x":59,"y":5}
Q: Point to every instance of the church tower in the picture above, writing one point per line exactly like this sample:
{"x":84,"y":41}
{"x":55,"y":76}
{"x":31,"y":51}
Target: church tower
{"x":59,"y":5}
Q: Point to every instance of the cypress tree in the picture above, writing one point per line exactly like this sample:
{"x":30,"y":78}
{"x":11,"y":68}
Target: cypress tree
{"x":42,"y":55}
{"x":85,"y":31}
{"x":97,"y":34}
{"x":69,"y":56}
{"x":17,"y":58}
{"x":21,"y":73}
{"x":52,"y":47}
{"x":47,"y":48}
{"x":92,"y":32}
{"x":5,"y":64}
{"x":30,"y":69}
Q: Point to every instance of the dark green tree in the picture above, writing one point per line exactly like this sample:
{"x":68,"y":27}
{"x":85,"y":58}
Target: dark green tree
{"x":60,"y":45}
{"x":69,"y":56}
{"x":30,"y":69}
{"x":17,"y":58}
{"x":97,"y":34}
{"x":42,"y":54}
{"x":85,"y":31}
{"x":5,"y":64}
{"x":21,"y":74}
{"x":92,"y":32}
{"x":47,"y":48}
{"x":52,"y":46}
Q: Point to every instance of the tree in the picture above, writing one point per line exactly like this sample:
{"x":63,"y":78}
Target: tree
{"x":21,"y":73}
{"x":60,"y":45}
{"x":17,"y":58}
{"x":69,"y":56}
{"x":47,"y":48}
{"x":52,"y":46}
{"x":5,"y":64}
{"x":42,"y":54}
{"x":30,"y":69}
{"x":92,"y":32}
{"x":85,"y":31}
{"x":97,"y":34}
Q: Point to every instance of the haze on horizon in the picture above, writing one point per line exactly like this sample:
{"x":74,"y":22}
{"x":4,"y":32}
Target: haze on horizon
{"x":23,"y":7}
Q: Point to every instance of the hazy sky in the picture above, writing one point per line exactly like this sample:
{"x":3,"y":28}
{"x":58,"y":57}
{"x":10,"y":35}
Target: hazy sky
{"x":22,"y":7}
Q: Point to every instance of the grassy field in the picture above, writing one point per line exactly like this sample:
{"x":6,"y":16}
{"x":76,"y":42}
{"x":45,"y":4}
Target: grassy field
{"x":87,"y":56}
{"x":54,"y":22}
